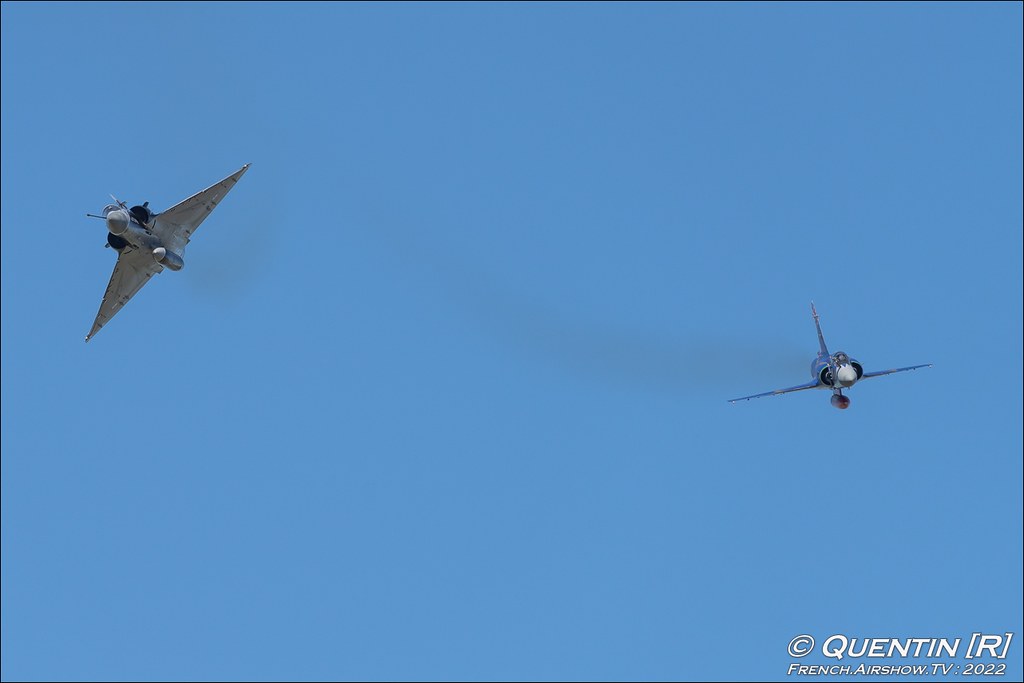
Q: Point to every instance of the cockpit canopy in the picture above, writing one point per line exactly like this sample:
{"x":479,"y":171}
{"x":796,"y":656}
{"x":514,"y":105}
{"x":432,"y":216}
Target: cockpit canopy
{"x":840,"y":358}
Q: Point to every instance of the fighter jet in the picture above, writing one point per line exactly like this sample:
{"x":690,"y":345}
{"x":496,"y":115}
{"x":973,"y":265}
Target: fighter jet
{"x":835,"y":371}
{"x":148,"y":242}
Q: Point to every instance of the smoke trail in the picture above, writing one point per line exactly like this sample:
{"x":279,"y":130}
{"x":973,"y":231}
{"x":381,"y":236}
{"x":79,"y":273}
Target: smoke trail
{"x":629,"y":356}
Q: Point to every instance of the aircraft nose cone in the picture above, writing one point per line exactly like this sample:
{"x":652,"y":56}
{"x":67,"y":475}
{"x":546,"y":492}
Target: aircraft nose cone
{"x":117,"y":221}
{"x":847,"y":375}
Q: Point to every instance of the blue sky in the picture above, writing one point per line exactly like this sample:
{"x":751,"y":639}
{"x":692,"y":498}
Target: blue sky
{"x":441,"y":391}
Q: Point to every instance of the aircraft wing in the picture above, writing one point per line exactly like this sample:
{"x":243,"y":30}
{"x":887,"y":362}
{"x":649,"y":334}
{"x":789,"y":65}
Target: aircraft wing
{"x":889,"y":372}
{"x":134,"y":268}
{"x":810,"y":385}
{"x":175,"y":226}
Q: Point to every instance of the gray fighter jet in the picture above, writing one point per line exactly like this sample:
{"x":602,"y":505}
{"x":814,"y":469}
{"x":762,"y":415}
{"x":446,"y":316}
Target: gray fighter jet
{"x":835,"y":371}
{"x":148,"y":242}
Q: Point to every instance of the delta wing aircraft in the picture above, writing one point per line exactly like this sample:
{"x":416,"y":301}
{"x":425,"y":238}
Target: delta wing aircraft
{"x":835,"y":371}
{"x":148,"y":242}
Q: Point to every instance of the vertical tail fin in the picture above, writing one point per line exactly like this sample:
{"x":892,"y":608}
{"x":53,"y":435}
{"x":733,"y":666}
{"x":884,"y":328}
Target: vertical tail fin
{"x":821,"y":339}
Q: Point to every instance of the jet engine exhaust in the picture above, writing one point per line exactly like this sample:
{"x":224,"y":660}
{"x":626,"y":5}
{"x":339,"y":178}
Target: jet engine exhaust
{"x":841,"y":402}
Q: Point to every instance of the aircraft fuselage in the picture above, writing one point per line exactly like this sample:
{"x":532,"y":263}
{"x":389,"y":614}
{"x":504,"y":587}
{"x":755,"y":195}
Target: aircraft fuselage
{"x":122,"y":225}
{"x":847,"y":370}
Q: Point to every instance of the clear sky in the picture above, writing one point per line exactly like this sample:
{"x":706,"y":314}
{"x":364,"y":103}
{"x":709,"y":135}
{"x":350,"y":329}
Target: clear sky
{"x":441,"y":390}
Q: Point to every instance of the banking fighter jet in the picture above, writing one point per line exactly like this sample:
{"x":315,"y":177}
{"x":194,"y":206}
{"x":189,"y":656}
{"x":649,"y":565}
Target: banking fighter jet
{"x":148,"y":242}
{"x":833,"y":371}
